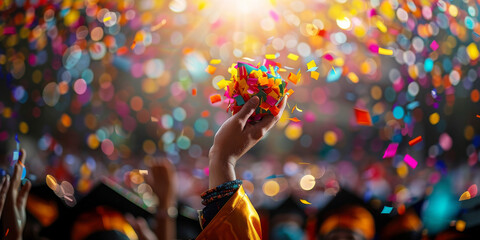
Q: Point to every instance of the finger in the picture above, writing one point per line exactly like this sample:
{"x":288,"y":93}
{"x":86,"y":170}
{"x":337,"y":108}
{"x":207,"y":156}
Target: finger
{"x":3,"y":191}
{"x":23,"y":156}
{"x":269,"y":121}
{"x":15,"y":181}
{"x":23,"y":195}
{"x":248,"y":109}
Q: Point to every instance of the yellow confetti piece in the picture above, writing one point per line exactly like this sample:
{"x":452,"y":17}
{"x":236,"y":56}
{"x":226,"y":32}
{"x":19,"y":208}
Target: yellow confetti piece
{"x":107,"y":18}
{"x":215,"y":61}
{"x":292,"y":56}
{"x":472,"y":51}
{"x":143,"y":172}
{"x":272,"y":72}
{"x":270,"y":56}
{"x":353,"y":77}
{"x":311,"y":64}
{"x":222,"y":84}
{"x":305,"y":202}
{"x":298,"y":109}
{"x":314,"y":75}
{"x":334,"y":70}
{"x":381,"y":26}
{"x":465,"y":196}
{"x":383,"y":51}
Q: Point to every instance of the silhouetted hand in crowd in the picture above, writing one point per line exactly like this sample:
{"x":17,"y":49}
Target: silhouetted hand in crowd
{"x":235,"y":137}
{"x":162,"y":178}
{"x":14,"y":216}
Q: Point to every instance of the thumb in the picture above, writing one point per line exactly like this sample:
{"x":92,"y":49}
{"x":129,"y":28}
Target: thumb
{"x":248,"y":109}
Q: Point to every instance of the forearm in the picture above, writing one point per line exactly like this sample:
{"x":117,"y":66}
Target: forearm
{"x":222,"y":170}
{"x":166,"y":227}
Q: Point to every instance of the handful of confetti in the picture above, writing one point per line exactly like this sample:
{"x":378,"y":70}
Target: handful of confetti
{"x":248,"y":81}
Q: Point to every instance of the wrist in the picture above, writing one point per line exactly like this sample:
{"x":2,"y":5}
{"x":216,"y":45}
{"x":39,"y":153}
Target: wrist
{"x":218,"y":158}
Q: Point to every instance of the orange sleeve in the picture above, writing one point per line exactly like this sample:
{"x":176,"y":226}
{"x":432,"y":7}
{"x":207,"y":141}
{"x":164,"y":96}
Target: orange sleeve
{"x":236,"y":220}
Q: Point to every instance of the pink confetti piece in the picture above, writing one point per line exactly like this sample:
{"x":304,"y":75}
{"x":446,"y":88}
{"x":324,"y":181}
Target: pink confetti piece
{"x":473,"y":190}
{"x":391,"y":150}
{"x":328,"y":57}
{"x":410,"y":161}
{"x":9,"y":31}
{"x":274,"y":15}
{"x":434,"y":45}
{"x":271,"y":101}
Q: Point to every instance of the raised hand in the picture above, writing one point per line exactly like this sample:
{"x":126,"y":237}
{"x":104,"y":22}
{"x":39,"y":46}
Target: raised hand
{"x":235,"y":137}
{"x":14,"y":216}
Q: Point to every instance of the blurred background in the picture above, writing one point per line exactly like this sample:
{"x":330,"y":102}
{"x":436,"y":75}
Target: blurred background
{"x":101,"y":88}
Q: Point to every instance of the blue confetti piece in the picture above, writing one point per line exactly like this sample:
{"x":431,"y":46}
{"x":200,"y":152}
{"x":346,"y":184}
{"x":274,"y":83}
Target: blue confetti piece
{"x":275,"y":176}
{"x":24,"y":172}
{"x":16,"y":155}
{"x":387,"y":210}
{"x":334,"y":75}
{"x":312,"y":69}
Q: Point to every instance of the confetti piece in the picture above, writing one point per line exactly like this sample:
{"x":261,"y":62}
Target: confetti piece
{"x":363,"y":117}
{"x":465,"y":196}
{"x":274,"y":15}
{"x":215,"y":61}
{"x":107,"y":18}
{"x":275,"y":176}
{"x":6,"y":233}
{"x":270,"y":56}
{"x":293,"y":78}
{"x":215,"y":98}
{"x":410,"y":161}
{"x":292,"y":56}
{"x":353,"y":77}
{"x":298,"y":109}
{"x":133,"y":45}
{"x":311,"y":66}
{"x":415,"y":141}
{"x":158,"y":26}
{"x":305,"y":202}
{"x":334,"y":70}
{"x":381,"y":26}
{"x":143,"y":172}
{"x":473,"y":190}
{"x":248,"y":59}
{"x":222,"y":83}
{"x":460,"y":225}
{"x":434,"y":45}
{"x":194,"y":92}
{"x":328,"y":57}
{"x":314,"y":75}
{"x":383,"y":51}
{"x":386,"y":210}
{"x":478,"y":116}
{"x":391,"y":150}
{"x":294,"y":119}
{"x":210,"y":69}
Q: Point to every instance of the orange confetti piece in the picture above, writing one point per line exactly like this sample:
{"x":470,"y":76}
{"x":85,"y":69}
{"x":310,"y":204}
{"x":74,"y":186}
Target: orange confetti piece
{"x":210,"y":69}
{"x":363,"y":117}
{"x":158,"y":26}
{"x":293,"y":78}
{"x":294,"y":119}
{"x":205,"y":114}
{"x":122,"y":50}
{"x":290,"y":92}
{"x":133,"y":45}
{"x":305,"y":202}
{"x":194,"y":92}
{"x":6,"y":233}
{"x":215,"y":98}
{"x":465,"y":196}
{"x":415,"y":141}
{"x":478,"y":116}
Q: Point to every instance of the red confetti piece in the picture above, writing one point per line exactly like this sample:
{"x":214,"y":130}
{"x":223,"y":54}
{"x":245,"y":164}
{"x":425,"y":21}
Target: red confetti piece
{"x":415,"y":141}
{"x":473,"y":190}
{"x":478,"y":116}
{"x":194,"y":92}
{"x":294,"y":119}
{"x":6,"y":233}
{"x":363,"y":117}
{"x":215,"y":98}
{"x":122,"y":50}
{"x":133,"y":45}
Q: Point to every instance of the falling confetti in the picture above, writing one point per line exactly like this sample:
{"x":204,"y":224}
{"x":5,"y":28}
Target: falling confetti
{"x":386,"y":210}
{"x":305,"y":202}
